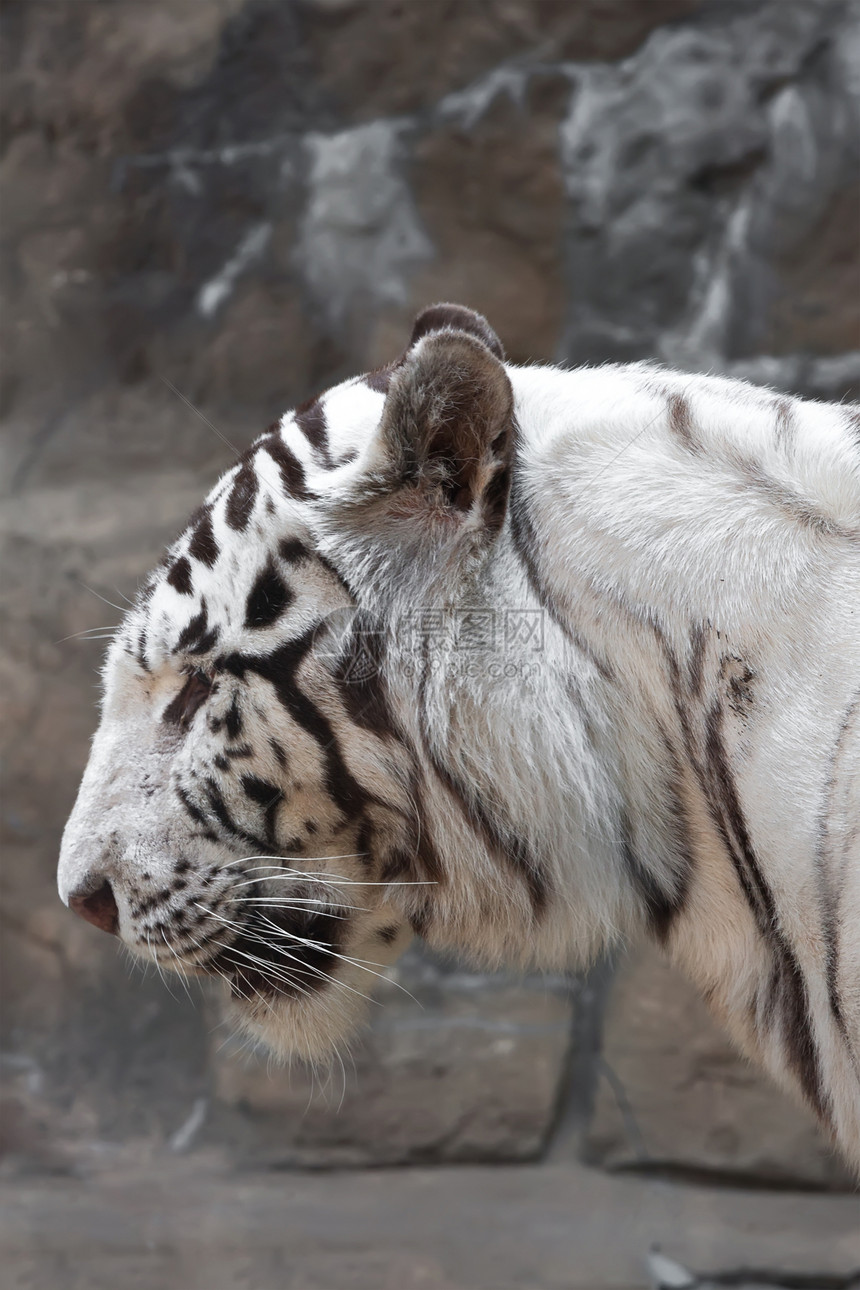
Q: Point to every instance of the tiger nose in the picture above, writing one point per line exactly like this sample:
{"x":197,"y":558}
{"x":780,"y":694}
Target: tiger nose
{"x":94,"y":900}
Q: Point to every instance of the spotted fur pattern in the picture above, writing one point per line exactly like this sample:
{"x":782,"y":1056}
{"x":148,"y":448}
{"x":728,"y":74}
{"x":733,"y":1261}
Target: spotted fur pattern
{"x":522,"y":660}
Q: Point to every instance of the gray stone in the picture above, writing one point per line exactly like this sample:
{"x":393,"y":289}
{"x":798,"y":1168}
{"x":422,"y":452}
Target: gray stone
{"x":383,"y":58}
{"x":360,"y":237}
{"x":84,"y":1045}
{"x":673,"y":1096}
{"x":251,"y":199}
{"x":697,"y":178}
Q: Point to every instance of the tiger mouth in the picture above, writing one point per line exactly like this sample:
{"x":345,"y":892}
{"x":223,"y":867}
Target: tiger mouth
{"x":288,"y":955}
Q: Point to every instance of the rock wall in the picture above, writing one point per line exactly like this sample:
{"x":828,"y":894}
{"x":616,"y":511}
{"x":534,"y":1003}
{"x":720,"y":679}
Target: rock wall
{"x":236,"y":202}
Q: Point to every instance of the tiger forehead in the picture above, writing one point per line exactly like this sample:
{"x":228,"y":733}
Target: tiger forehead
{"x":274,"y":585}
{"x":264,"y":494}
{"x":246,"y":561}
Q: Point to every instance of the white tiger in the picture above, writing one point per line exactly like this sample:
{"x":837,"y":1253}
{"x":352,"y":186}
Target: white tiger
{"x":525,"y":660}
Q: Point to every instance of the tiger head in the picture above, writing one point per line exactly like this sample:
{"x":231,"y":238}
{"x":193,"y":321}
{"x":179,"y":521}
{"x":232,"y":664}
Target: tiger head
{"x":256,"y":805}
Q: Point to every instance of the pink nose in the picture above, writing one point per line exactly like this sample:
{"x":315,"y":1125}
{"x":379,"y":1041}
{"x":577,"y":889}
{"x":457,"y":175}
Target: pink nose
{"x":96,"y":904}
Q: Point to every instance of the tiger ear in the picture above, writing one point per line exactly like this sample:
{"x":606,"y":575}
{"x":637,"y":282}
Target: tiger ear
{"x":448,"y":317}
{"x":446,"y":434}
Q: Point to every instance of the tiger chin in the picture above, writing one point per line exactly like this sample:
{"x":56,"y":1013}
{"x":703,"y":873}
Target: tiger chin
{"x":523,"y":661}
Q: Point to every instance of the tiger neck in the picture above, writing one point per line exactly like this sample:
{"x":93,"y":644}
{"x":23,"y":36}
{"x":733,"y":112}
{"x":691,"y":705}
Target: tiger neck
{"x":555,"y":728}
{"x":591,"y":766}
{"x":510,"y":727}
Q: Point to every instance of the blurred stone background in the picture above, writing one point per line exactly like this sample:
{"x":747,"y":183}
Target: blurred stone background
{"x":232,"y":203}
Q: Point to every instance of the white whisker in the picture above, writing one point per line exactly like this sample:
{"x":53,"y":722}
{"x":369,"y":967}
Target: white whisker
{"x":305,"y":967}
{"x":269,"y":974}
{"x":276,"y":903}
{"x":365,"y":965}
{"x":90,"y":634}
{"x":155,"y":960}
{"x":347,"y":855}
{"x":294,"y":875}
{"x":179,"y":968}
{"x":204,"y":965}
{"x":104,"y":598}
{"x":274,"y":975}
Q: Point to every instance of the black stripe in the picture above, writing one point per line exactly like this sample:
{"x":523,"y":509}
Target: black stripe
{"x":266,"y":795}
{"x":279,"y":669}
{"x":698,"y":648}
{"x":797,"y":507}
{"x":291,"y":550}
{"x":793,"y":1005}
{"x":798,"y":1034}
{"x":665,"y":905}
{"x":662,"y":907}
{"x":197,"y":816}
{"x":268,"y":598}
{"x":219,"y":808}
{"x":679,"y":695}
{"x":147,"y":590}
{"x":203,"y":546}
{"x":233,"y":718}
{"x":526,"y":546}
{"x":509,"y":846}
{"x":348,"y":794}
{"x":310,"y":419}
{"x":359,"y":676}
{"x":291,"y":469}
{"x":789,"y":1002}
{"x":205,"y":643}
{"x":196,"y":636}
{"x":681,"y":421}
{"x":729,"y":818}
{"x":831,"y":902}
{"x":141,"y":650}
{"x":225,"y":819}
{"x":243,"y":494}
{"x":194,"y":693}
{"x":179,"y":576}
{"x":785,"y":423}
